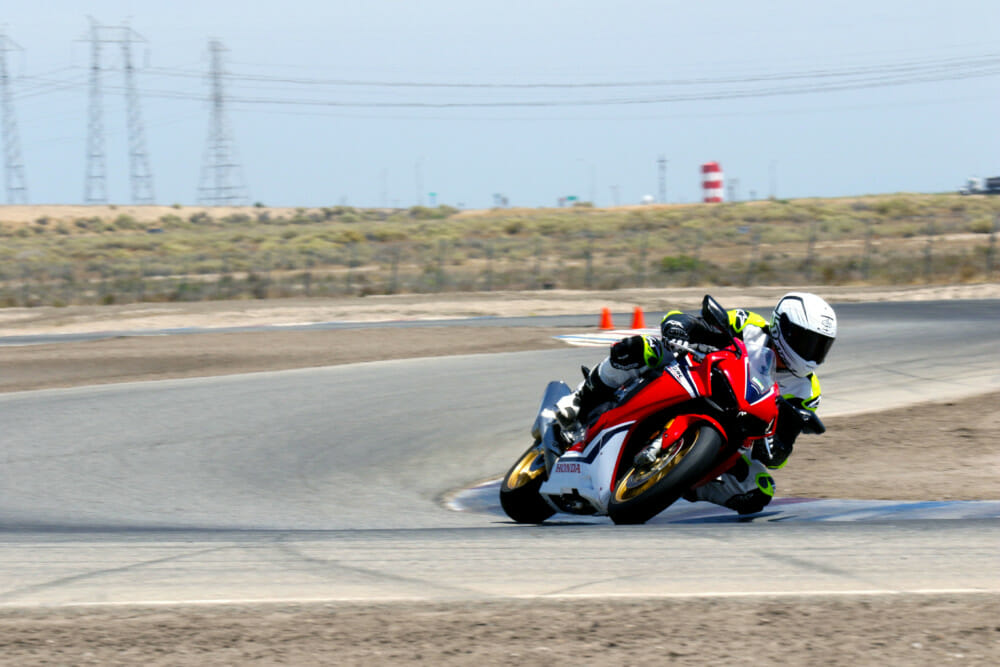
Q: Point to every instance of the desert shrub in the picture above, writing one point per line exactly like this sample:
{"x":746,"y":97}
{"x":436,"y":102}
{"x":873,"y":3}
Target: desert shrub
{"x":896,"y":208}
{"x":425,"y":213}
{"x":679,"y":263}
{"x":171,"y":220}
{"x":980,"y":225}
{"x":125,"y":221}
{"x":513,"y":227}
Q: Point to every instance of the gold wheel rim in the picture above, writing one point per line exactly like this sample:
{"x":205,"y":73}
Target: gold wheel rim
{"x":635,"y":483}
{"x":526,"y":469}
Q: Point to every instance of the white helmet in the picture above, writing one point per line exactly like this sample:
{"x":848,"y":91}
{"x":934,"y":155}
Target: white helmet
{"x":803,"y":327}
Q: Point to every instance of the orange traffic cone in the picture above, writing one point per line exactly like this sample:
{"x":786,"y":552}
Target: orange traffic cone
{"x":606,"y":323}
{"x":638,"y":319}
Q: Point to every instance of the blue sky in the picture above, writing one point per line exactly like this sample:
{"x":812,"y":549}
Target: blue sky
{"x":365,"y":143}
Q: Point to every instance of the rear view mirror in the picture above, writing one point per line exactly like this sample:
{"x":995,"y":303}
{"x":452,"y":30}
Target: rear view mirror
{"x":713,"y":313}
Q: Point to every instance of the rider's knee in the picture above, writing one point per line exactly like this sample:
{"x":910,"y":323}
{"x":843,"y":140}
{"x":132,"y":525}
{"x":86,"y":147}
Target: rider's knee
{"x":749,"y":502}
{"x":756,"y":498}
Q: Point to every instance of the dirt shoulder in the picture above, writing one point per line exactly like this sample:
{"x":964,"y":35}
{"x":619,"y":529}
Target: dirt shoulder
{"x":849,"y":630}
{"x":137,"y":358}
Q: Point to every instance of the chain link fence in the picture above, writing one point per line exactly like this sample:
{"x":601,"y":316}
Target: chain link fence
{"x":643,"y":253}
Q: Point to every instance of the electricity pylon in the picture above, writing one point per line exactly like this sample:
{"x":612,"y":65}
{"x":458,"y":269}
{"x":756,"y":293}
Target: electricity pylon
{"x":140,"y":174}
{"x":17,"y":189}
{"x":221,"y":175}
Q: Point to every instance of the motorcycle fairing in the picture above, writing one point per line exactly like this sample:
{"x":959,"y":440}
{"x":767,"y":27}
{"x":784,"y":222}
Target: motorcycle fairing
{"x":546,"y":412}
{"x":574,"y":474}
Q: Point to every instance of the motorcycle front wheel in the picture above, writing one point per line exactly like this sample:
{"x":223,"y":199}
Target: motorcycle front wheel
{"x":643,"y":492}
{"x":519,"y":494}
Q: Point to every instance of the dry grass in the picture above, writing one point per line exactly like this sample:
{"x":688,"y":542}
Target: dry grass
{"x":59,"y":255}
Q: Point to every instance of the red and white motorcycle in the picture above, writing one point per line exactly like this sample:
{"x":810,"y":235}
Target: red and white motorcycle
{"x":665,"y":433}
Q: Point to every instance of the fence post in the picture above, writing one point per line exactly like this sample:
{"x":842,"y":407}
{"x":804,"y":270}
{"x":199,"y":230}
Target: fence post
{"x":867,"y":261}
{"x":440,"y":265}
{"x":394,"y":271}
{"x":991,"y":249}
{"x":352,"y":261}
{"x":489,"y":266}
{"x":589,"y":255}
{"x":754,"y":246}
{"x":643,"y":252}
{"x":929,"y":252}
{"x":699,"y":239}
{"x":538,"y":262}
{"x":811,"y":250}
{"x":140,"y":288}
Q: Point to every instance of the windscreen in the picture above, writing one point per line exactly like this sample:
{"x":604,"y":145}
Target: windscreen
{"x":761,"y":366}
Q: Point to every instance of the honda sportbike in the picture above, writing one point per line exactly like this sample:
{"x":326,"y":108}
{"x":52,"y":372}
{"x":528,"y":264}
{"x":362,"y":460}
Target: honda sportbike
{"x":665,"y":433}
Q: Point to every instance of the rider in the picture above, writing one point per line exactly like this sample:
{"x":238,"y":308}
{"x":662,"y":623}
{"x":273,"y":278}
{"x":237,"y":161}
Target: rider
{"x":802,"y":328}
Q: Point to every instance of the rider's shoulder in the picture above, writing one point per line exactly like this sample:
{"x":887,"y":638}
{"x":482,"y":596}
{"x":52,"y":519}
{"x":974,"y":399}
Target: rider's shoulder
{"x":806,"y":389}
{"x":740,"y":318}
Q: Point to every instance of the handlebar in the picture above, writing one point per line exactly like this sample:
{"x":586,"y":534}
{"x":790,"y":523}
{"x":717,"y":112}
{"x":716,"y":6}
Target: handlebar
{"x":684,"y":346}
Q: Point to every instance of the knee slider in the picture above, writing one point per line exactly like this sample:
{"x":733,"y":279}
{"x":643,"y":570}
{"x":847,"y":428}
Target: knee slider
{"x":749,"y":502}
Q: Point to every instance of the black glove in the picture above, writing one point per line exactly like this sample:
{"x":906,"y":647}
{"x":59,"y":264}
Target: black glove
{"x":789,"y":423}
{"x":674,"y":330}
{"x":780,"y":451}
{"x":787,"y":430}
{"x":628,"y":354}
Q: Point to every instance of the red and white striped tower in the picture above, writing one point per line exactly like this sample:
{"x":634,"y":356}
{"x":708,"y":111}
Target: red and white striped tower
{"x":711,"y":182}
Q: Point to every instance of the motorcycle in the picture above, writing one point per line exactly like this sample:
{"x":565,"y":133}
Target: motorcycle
{"x":662,"y":435}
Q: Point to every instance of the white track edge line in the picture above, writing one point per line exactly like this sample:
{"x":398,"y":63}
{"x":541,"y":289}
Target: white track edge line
{"x":501,"y":598}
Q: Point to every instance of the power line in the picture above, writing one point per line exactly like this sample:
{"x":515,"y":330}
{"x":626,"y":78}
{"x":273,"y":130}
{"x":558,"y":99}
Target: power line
{"x":721,"y":88}
{"x":17,"y":189}
{"x":905,"y":67}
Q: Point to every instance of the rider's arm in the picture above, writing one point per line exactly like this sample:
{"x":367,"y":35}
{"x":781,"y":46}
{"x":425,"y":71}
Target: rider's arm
{"x":637,"y":352}
{"x":789,"y":424}
{"x":693,"y":329}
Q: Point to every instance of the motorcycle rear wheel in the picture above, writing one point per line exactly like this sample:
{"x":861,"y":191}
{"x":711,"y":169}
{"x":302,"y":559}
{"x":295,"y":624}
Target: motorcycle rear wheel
{"x":519,"y":491}
{"x":643,"y":493}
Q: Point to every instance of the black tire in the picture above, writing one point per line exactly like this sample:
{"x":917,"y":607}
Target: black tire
{"x":639,"y":495}
{"x":519,"y":494}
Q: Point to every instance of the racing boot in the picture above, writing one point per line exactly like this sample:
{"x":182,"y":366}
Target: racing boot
{"x":573,"y":410}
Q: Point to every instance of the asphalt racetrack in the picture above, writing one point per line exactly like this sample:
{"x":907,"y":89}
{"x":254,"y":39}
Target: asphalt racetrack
{"x":332,"y":484}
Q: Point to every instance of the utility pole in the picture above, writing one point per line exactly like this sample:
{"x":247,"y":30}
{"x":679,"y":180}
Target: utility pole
{"x":662,"y":164}
{"x":221,"y":176}
{"x":593,"y":184}
{"x":418,"y":180}
{"x":17,"y":189}
{"x":140,"y":174}
{"x":733,"y":185}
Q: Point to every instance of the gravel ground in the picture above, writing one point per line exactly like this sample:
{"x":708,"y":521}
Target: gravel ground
{"x":859,"y":630}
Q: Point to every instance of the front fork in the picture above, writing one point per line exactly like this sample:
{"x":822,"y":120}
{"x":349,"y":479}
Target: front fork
{"x":672,"y":433}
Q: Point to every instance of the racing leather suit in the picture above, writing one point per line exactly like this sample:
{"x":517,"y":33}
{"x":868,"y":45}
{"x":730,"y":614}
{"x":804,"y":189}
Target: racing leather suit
{"x":748,"y":486}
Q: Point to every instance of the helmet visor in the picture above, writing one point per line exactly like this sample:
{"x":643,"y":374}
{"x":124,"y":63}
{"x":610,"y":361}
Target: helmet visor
{"x":809,"y":345}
